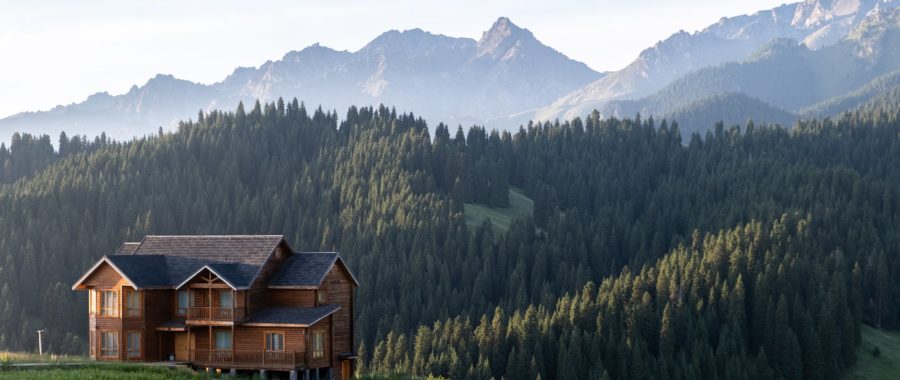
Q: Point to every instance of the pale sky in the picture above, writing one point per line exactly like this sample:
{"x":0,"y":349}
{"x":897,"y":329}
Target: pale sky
{"x":60,"y":51}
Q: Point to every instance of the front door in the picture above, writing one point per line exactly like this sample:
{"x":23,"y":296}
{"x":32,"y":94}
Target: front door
{"x":183,"y":345}
{"x":345,"y":369}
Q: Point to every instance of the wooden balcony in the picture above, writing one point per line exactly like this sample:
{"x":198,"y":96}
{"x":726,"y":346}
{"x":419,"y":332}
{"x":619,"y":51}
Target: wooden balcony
{"x":248,"y":359}
{"x":216,"y":314}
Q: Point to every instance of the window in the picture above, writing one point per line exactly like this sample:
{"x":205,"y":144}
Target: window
{"x":225,"y":298}
{"x":321,"y":297}
{"x":223,"y":340}
{"x":275,"y":341}
{"x":318,"y":344}
{"x":133,"y":342}
{"x":93,"y":342}
{"x":109,"y":303}
{"x":132,"y":303}
{"x":92,"y":302}
{"x":109,"y":343}
{"x":183,"y":299}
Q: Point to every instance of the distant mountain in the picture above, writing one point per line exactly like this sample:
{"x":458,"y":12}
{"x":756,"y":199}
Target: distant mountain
{"x":778,"y":81}
{"x":442,"y":78}
{"x":791,"y":76}
{"x":872,"y":91}
{"x":815,"y":23}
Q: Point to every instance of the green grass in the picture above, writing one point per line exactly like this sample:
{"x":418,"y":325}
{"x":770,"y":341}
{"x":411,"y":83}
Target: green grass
{"x":519,"y":206}
{"x":886,"y":365}
{"x":102,"y":372}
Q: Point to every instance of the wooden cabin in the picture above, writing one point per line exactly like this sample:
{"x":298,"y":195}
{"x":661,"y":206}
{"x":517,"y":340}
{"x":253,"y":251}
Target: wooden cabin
{"x":229,"y":303}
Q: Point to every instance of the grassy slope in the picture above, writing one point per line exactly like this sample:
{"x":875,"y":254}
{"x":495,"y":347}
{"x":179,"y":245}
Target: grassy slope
{"x":519,"y":206}
{"x":884,"y":366}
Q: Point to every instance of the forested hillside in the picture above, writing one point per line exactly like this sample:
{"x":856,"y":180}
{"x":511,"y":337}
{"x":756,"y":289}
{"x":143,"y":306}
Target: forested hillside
{"x":764,"y":249}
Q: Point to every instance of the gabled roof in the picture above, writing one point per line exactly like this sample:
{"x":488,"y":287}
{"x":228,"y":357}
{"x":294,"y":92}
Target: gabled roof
{"x":291,"y":316}
{"x":106,"y":260}
{"x":307,"y":269}
{"x":168,"y":261}
{"x":237,"y":276}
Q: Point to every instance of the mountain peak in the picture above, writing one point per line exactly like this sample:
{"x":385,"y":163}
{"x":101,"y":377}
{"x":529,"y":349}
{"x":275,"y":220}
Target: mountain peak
{"x":501,"y":37}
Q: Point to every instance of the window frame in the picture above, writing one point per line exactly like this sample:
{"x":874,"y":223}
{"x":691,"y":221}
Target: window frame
{"x":109,"y":310}
{"x":230,"y":294}
{"x":109,"y":352}
{"x":179,"y":310}
{"x":130,"y":294}
{"x":92,"y":302}
{"x":321,"y":297}
{"x":216,"y":340}
{"x":139,"y":348}
{"x":92,"y":335}
{"x":318,"y":339}
{"x":266,"y":341}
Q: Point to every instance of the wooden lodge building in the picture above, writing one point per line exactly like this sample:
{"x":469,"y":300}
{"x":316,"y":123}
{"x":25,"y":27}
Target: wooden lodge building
{"x":225,"y":303}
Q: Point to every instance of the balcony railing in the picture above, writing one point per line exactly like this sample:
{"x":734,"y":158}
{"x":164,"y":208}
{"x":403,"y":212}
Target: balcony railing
{"x":247,"y":359}
{"x":208,"y":313}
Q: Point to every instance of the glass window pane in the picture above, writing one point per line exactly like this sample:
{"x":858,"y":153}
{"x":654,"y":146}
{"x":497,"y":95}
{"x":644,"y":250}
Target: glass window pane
{"x":225,"y":298}
{"x":182,"y":302}
{"x":223,"y":340}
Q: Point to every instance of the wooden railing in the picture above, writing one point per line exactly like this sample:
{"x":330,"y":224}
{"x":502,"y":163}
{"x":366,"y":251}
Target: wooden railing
{"x":249,"y":359}
{"x":216,"y":313}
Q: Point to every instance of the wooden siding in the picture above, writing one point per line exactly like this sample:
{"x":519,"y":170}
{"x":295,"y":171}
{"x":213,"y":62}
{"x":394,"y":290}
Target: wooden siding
{"x":339,"y":287}
{"x":291,"y":298}
{"x":254,"y":338}
{"x":158,"y":309}
{"x":325,"y":361}
{"x":257,"y":295}
{"x":104,"y":277}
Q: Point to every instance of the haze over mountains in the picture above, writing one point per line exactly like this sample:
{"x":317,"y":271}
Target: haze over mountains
{"x":770,"y":66}
{"x":443,"y":78}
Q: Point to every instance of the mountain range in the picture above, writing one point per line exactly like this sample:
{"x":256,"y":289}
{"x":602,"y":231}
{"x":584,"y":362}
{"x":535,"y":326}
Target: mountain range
{"x":776,"y":65}
{"x":458,"y":80}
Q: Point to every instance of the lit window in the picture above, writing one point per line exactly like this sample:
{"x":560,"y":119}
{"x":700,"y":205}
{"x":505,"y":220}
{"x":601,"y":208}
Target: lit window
{"x":183,"y":299}
{"x":322,"y":297}
{"x":274,"y":342}
{"x":132,"y":303}
{"x":318,"y":347}
{"x":109,"y":343}
{"x":109,"y":303}
{"x":223,"y":340}
{"x":134,"y":344}
{"x":93,"y":343}
{"x":92,"y":302}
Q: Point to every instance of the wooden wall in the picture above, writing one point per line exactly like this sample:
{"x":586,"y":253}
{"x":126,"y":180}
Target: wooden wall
{"x":339,"y":290}
{"x":291,"y":298}
{"x":258,"y":293}
{"x":325,"y":326}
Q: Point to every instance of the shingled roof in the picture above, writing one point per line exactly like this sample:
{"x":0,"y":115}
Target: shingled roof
{"x":236,"y":249}
{"x":167,"y":262}
{"x":291,"y":316}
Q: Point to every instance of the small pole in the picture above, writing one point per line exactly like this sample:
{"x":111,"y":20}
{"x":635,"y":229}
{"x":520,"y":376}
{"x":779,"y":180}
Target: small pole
{"x":40,"y":343}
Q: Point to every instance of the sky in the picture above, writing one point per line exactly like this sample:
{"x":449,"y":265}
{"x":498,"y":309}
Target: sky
{"x":60,"y":51}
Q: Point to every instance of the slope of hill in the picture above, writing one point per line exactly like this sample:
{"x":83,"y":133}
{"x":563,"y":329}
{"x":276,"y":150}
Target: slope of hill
{"x":878,"y":356}
{"x":874,"y":91}
{"x":816,"y":23}
{"x":444,"y":78}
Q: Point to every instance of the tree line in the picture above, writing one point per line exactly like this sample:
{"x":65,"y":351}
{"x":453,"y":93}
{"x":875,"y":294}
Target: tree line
{"x":823,"y":199}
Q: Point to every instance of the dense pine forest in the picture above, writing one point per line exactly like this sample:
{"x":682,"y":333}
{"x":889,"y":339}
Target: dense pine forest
{"x":749,"y":252}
